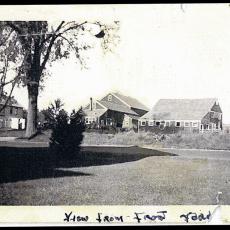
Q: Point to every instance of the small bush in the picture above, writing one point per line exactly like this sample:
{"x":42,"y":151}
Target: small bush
{"x":67,"y":134}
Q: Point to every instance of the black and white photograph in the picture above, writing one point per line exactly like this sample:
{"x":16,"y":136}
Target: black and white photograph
{"x":126,"y":105}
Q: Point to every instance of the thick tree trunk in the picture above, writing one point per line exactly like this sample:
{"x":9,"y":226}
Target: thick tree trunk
{"x":31,"y":124}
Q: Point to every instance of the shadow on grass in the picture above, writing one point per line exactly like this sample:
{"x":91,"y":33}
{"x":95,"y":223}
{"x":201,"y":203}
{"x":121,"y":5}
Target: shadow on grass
{"x":20,"y":164}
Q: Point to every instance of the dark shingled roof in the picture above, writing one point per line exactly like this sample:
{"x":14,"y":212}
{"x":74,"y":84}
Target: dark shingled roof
{"x":133,"y":116}
{"x":118,"y":107}
{"x":180,"y":109}
{"x":132,"y":102}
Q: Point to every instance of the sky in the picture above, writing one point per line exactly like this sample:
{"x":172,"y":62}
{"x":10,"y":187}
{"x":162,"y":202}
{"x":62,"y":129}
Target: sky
{"x":165,"y":51}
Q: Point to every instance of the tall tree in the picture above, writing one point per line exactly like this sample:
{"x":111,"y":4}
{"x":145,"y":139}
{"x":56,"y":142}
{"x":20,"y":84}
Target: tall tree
{"x":41,"y":42}
{"x":10,"y":61}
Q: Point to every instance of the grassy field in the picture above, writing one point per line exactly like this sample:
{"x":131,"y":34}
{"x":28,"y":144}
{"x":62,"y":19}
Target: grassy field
{"x":214,"y":141}
{"x":106,"y":176}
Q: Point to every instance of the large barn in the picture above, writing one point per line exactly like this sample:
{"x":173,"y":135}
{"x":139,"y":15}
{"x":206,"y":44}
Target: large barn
{"x":114,"y":110}
{"x":196,"y":115}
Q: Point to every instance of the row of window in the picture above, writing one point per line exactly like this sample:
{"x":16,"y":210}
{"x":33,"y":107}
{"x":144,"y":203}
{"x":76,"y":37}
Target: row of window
{"x":12,"y":111}
{"x":5,"y":123}
{"x":216,"y":115}
{"x":178,"y":124}
{"x":89,"y":120}
{"x":168,"y":123}
{"x":209,"y":126}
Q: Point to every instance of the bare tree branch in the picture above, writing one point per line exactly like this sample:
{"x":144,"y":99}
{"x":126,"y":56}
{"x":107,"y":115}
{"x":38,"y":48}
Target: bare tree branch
{"x":9,"y":96}
{"x":72,"y":27}
{"x":52,"y":34}
{"x":46,"y":57}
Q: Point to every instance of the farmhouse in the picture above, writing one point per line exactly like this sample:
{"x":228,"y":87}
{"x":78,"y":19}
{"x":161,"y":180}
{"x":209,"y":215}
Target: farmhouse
{"x":196,"y":115}
{"x":114,"y":110}
{"x":11,"y":117}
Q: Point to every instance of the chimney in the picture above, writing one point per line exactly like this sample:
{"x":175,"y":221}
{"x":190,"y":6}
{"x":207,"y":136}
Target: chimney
{"x":91,"y":103}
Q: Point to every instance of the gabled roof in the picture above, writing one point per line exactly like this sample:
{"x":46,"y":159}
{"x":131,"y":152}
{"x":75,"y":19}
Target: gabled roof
{"x":95,"y":112}
{"x":118,"y":107}
{"x":132,"y":102}
{"x":180,"y":109}
{"x":98,"y":102}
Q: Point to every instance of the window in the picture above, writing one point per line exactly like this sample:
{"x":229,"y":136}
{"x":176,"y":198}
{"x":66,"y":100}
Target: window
{"x":16,"y":111}
{"x":177,"y":124}
{"x":143,"y":123}
{"x":11,"y":110}
{"x":194,"y":124}
{"x":167,"y":123}
{"x":150,"y":123}
{"x":109,"y":121}
{"x":89,"y":120}
{"x":109,"y":97}
{"x":216,"y":115}
{"x":186,"y":124}
{"x":157,"y":123}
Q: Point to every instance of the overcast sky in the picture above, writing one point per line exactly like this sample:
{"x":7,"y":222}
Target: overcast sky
{"x":166,"y":51}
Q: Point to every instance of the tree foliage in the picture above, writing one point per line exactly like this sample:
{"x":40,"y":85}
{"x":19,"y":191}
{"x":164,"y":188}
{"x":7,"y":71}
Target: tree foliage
{"x":10,"y":60}
{"x":67,"y":134}
{"x":51,"y":113}
{"x":40,"y":43}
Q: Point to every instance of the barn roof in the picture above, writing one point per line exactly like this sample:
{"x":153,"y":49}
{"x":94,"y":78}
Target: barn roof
{"x":133,"y":116}
{"x":95,"y":112}
{"x":118,"y":107}
{"x":180,"y":109}
{"x":132,"y":102}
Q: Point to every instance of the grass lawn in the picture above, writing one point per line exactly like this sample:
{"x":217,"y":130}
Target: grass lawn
{"x":110,"y":176}
{"x":12,"y":133}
